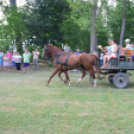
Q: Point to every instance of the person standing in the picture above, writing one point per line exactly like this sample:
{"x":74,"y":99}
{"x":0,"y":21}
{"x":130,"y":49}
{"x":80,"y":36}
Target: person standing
{"x":1,"y":60}
{"x":35,"y":59}
{"x":78,"y":51}
{"x":9,"y":54}
{"x":26,"y":60}
{"x":13,"y":60}
{"x":18,"y":62}
{"x":6,"y":63}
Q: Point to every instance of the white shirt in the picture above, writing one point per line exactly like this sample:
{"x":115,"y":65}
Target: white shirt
{"x":17,"y":58}
{"x":129,"y":47}
{"x":35,"y":55}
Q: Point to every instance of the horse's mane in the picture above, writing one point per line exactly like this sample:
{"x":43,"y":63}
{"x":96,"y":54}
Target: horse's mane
{"x":55,"y":48}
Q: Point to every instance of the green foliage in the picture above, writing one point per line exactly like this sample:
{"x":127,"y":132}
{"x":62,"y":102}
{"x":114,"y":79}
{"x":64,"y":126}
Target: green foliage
{"x":47,"y":17}
{"x":50,"y":65}
{"x":14,"y":30}
{"x":115,"y":20}
{"x":63,"y":22}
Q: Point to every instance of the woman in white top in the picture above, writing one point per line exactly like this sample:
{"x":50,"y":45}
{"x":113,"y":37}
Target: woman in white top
{"x":113,"y":54}
{"x":18,"y":62}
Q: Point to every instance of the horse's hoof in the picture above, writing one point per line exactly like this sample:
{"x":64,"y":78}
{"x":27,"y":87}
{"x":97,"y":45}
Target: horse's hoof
{"x":47,"y":84}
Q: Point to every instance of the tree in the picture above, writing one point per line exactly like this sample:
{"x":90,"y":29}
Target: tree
{"x":14,"y":30}
{"x":115,"y":20}
{"x":123,"y":24}
{"x":93,"y":37}
{"x":45,"y":18}
{"x":88,"y":16}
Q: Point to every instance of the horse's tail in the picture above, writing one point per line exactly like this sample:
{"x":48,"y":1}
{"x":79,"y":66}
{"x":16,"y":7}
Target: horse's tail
{"x":97,"y":66}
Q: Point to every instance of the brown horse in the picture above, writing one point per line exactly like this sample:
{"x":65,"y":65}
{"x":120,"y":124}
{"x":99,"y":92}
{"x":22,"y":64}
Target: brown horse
{"x":63,"y":62}
{"x":55,"y":53}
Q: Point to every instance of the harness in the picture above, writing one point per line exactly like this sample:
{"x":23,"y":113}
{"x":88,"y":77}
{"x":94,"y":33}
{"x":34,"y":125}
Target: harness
{"x":57,"y":58}
{"x":60,"y":62}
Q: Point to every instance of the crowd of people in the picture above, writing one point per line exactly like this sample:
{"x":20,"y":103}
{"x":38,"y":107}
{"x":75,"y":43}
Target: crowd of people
{"x":14,"y":60}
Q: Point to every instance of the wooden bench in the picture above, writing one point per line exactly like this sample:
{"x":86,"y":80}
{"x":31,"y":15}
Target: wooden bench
{"x":126,"y":55}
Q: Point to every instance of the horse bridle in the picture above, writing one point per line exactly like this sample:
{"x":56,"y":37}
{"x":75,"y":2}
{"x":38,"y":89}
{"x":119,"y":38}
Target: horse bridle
{"x":46,"y":49}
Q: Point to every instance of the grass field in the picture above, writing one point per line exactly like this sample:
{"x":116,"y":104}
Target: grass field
{"x":27,"y":106}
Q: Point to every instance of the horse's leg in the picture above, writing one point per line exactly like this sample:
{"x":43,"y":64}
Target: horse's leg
{"x":93,"y":76}
{"x":53,"y":74}
{"x":83,"y":75}
{"x":59,"y":74}
{"x":67,"y":75}
{"x":69,"y":79}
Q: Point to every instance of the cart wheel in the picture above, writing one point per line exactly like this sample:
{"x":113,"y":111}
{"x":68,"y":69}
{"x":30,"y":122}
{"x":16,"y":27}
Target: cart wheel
{"x":120,"y":80}
{"x":110,"y":78}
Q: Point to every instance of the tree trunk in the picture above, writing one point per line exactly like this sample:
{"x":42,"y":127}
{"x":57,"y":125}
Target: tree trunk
{"x":13,"y":2}
{"x":123,"y":24}
{"x":93,"y":37}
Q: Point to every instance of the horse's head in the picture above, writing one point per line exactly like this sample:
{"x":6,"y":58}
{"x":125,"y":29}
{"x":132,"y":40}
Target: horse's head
{"x":46,"y":52}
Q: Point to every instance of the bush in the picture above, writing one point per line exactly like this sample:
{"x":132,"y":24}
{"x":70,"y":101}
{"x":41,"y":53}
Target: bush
{"x":50,"y":65}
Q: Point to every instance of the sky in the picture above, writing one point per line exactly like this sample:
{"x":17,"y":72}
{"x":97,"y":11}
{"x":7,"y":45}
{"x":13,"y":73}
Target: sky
{"x":19,"y":2}
{"x":22,"y":2}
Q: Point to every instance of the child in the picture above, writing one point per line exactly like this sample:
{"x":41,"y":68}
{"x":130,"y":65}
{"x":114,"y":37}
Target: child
{"x":13,"y":60}
{"x":6,"y":63}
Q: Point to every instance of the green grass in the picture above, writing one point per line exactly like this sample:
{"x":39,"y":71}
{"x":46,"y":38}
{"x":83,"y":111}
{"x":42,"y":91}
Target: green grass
{"x":27,"y":106}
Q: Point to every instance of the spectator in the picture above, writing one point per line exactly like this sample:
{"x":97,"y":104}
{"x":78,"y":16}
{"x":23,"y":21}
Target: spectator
{"x":26,"y":60}
{"x":6,"y":63}
{"x":95,"y":53}
{"x":9,"y":54}
{"x":78,"y":51}
{"x":84,"y":52}
{"x":70,"y":51}
{"x":74,"y":53}
{"x":13,"y":60}
{"x":1,"y":60}
{"x":18,"y":62}
{"x":35,"y":59}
